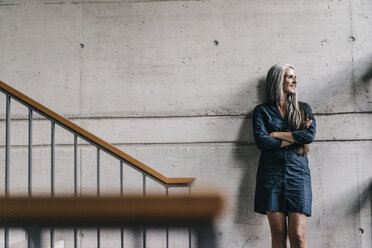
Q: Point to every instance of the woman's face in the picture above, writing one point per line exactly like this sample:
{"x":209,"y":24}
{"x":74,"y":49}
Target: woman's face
{"x":290,"y":81}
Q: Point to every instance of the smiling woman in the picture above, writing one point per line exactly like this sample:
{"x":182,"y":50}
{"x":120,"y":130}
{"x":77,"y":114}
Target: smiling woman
{"x":290,"y":81}
{"x":283,"y":128}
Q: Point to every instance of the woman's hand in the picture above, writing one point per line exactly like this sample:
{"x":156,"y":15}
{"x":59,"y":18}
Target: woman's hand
{"x":272,"y":134}
{"x":285,"y":143}
{"x":308,"y":123}
{"x":287,"y":136}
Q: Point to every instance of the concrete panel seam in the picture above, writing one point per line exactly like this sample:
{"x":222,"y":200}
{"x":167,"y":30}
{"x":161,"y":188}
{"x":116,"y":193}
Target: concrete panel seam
{"x":175,"y":143}
{"x":57,"y":3}
{"x":82,"y":118}
{"x":9,"y":4}
{"x":144,"y":1}
{"x":95,"y":2}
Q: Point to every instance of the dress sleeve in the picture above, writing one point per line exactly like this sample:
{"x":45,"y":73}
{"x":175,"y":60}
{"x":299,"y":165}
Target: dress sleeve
{"x":307,"y":135}
{"x":263,"y":141}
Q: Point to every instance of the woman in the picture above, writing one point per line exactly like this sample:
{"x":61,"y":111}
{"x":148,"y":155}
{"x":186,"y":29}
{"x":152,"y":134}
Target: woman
{"x":282,"y":128}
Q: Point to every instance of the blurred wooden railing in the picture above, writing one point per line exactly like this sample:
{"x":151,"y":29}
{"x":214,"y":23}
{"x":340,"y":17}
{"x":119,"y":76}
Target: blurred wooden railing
{"x":195,"y":211}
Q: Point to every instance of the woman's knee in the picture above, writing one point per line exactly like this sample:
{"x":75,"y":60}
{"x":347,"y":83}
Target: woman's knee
{"x":297,"y":239}
{"x":297,"y":230}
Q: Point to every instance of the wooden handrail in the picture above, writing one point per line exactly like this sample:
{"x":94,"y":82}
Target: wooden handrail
{"x":130,"y":210}
{"x":92,"y":138}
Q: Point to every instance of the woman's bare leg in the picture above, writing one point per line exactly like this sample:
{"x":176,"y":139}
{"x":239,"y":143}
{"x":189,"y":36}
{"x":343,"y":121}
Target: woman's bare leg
{"x":278,"y":228}
{"x":297,"y":230}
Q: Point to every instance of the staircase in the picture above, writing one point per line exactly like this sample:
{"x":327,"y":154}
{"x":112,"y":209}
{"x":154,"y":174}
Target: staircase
{"x":128,"y":213}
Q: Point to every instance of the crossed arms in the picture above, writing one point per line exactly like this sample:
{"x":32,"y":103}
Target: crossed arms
{"x":287,"y":137}
{"x":275,"y":140}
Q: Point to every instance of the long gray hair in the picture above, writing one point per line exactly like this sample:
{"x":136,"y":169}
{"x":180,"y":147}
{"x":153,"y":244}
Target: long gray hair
{"x":274,"y":92}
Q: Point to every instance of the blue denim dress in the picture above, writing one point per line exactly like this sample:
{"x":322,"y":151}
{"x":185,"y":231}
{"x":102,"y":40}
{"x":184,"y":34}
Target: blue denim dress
{"x":283,"y":180}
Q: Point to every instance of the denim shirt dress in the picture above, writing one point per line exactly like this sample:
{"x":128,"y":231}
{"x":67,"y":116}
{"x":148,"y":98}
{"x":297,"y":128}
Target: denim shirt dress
{"x":283,"y":181}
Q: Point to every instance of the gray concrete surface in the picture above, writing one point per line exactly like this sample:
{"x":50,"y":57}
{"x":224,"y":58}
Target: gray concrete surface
{"x":148,"y":77}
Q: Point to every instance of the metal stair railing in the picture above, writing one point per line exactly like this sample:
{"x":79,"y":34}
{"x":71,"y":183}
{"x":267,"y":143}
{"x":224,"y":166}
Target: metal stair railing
{"x":78,"y":132}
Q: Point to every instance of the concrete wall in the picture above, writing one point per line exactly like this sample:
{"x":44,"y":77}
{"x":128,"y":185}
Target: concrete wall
{"x":150,"y":77}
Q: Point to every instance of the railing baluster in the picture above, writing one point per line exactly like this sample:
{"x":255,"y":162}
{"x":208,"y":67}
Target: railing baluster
{"x":75,"y":237}
{"x":6,"y":237}
{"x":7,"y":162}
{"x":98,"y":237}
{"x":98,"y":171}
{"x":29,"y":152}
{"x":121,"y":194}
{"x":52,"y":237}
{"x":52,"y":174}
{"x":167,"y":230}
{"x":75,"y":183}
{"x":144,"y":195}
{"x":7,"y":146}
{"x":144,"y":184}
{"x":121,"y":179}
{"x":75,"y":165}
{"x":52,"y":158}
{"x":29,"y":164}
{"x":29,"y":242}
{"x":98,"y":194}
{"x":122,"y":237}
{"x":189,"y":228}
